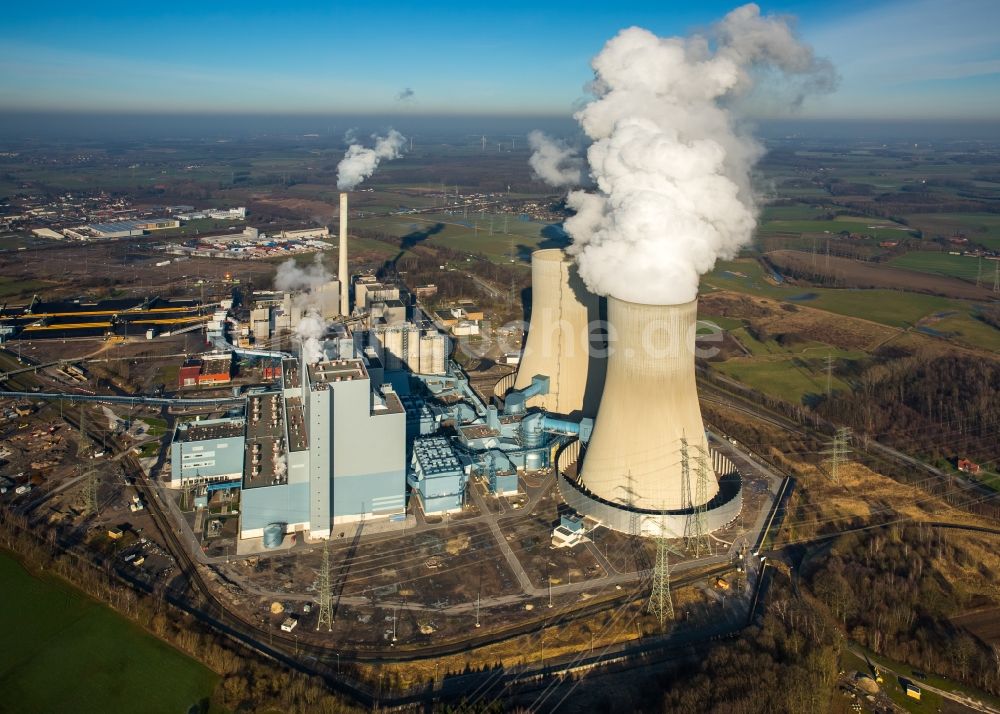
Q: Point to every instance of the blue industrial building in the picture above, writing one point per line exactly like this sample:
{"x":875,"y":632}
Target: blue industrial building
{"x":207,"y":451}
{"x":437,"y":476}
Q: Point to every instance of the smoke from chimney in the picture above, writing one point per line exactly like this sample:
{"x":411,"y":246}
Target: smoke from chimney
{"x":670,"y":163}
{"x":360,"y":162}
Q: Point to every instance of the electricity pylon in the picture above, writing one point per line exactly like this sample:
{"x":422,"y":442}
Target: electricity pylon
{"x":699,"y":532}
{"x":661,"y":603}
{"x":92,"y":485}
{"x":324,"y":586}
{"x":838,"y":451}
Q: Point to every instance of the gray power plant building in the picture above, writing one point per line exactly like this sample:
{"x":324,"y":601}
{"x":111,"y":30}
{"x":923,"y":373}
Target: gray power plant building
{"x":329,"y":449}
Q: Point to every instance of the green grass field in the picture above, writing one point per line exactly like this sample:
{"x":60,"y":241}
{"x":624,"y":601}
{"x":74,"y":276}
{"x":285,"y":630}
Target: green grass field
{"x":63,"y":652}
{"x":786,"y":379}
{"x":956,"y":266}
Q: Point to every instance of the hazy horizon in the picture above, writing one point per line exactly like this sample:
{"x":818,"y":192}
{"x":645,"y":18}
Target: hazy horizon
{"x":83,"y":126}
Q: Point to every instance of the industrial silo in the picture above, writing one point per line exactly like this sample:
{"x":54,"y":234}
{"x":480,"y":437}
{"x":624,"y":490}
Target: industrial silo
{"x":412,"y":346}
{"x":437,"y":354}
{"x":559,"y":344}
{"x":392,"y":347}
{"x":426,"y":354}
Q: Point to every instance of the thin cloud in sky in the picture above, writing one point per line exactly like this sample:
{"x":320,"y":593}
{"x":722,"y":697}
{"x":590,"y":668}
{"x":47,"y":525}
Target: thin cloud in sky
{"x":899,"y":57}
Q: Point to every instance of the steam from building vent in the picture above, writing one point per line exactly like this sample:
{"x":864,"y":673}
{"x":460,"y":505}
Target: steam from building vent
{"x":303,"y":282}
{"x":290,"y":277}
{"x":310,"y":331}
{"x":669,"y":159}
{"x":554,"y":161}
{"x":360,"y":162}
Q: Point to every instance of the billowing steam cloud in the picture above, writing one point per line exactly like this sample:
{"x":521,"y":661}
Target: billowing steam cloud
{"x":671,"y":166}
{"x":360,"y":162}
{"x":304,"y":282}
{"x":553,"y":161}
{"x":290,"y":277}
{"x":310,"y":331}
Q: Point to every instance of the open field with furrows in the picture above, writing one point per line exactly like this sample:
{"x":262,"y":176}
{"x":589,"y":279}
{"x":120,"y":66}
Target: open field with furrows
{"x":982,"y":228}
{"x":965,"y":267}
{"x":782,"y":348}
{"x":122,"y":268}
{"x":892,"y":308}
{"x":984,"y":623}
{"x":878,"y":229}
{"x":471,"y":235}
{"x":857,"y":274}
{"x":65,"y":652}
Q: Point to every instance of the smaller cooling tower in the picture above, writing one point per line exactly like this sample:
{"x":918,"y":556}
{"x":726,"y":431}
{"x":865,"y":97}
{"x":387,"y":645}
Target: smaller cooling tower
{"x":648,"y":411}
{"x":558,"y":344}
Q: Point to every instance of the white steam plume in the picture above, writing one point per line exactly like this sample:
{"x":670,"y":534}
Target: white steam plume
{"x":360,"y":162}
{"x":554,"y":161}
{"x":290,"y":277}
{"x":304,"y":282}
{"x":671,"y":166}
{"x":310,"y":331}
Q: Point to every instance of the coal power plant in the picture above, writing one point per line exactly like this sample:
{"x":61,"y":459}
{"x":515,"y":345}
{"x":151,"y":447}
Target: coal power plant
{"x":645,"y":465}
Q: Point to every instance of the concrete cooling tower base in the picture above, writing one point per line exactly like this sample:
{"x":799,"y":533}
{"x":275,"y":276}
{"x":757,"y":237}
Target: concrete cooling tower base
{"x":722,"y":510}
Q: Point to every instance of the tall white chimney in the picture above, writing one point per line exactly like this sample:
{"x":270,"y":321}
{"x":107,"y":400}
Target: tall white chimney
{"x":345,"y":307}
{"x":648,"y":411}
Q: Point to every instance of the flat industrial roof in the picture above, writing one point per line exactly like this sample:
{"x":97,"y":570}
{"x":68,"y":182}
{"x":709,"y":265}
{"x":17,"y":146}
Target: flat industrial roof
{"x":265,"y":439}
{"x":207,"y":430}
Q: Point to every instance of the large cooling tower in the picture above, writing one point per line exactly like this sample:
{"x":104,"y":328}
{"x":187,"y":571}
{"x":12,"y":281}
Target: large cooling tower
{"x":648,"y":406}
{"x":558,"y":338}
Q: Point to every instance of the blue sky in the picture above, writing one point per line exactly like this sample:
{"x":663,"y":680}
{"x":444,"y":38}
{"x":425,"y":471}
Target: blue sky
{"x":918,"y":59}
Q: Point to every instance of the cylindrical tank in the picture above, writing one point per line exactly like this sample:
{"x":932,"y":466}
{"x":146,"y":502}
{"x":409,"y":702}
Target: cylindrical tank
{"x":413,"y":348}
{"x":534,"y":460}
{"x":392,"y":341}
{"x":274,"y":533}
{"x":559,"y":342}
{"x":648,"y":410}
{"x":437,"y":355}
{"x":426,"y":354}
